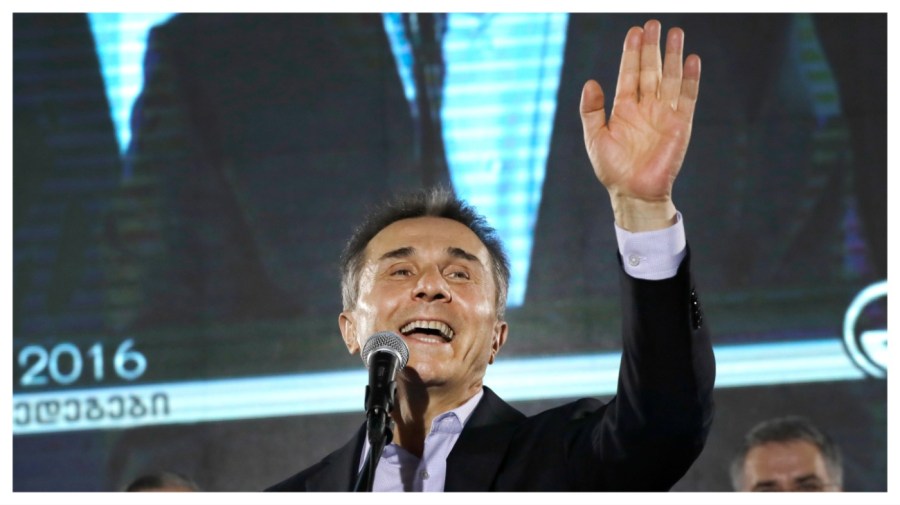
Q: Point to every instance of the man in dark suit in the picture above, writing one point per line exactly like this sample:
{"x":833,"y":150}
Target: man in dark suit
{"x":430,"y":269}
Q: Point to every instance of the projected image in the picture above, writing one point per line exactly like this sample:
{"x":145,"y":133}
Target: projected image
{"x":185,"y":184}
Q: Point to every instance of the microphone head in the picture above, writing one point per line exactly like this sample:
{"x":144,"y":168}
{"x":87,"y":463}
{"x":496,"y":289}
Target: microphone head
{"x":387,"y":341}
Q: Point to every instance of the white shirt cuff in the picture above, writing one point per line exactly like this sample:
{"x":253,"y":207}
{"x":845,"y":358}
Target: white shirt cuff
{"x":653,"y":255}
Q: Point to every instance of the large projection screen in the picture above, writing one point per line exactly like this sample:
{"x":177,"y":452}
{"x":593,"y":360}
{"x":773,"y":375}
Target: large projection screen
{"x":184,"y":185}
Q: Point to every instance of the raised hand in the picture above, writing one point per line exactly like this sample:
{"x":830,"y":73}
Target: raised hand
{"x":638,"y":152}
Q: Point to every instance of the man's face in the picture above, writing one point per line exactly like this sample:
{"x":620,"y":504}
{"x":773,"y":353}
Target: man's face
{"x":430,"y":280}
{"x":795,"y":465}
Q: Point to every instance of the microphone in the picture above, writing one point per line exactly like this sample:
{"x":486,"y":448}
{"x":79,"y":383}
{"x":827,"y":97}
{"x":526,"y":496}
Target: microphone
{"x":384,"y":353}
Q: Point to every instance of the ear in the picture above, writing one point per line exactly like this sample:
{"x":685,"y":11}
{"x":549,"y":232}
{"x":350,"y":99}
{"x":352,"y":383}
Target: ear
{"x":500,"y":331}
{"x":348,"y":331}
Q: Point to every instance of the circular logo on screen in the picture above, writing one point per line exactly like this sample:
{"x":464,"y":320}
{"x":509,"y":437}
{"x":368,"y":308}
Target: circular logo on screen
{"x":865,"y":330}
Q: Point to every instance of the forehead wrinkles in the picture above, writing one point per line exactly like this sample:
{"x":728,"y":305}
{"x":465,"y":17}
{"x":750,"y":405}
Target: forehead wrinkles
{"x":410,"y":232}
{"x":425,"y":235}
{"x":450,"y":251}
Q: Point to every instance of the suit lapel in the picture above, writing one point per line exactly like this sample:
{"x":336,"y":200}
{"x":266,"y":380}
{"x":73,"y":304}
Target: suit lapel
{"x":340,"y":468}
{"x":475,"y":459}
{"x":472,"y":465}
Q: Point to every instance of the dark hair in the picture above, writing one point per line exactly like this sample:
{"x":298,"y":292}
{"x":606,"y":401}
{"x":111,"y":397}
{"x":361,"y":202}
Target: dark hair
{"x":787,"y":429}
{"x":434,"y":202}
{"x":162,"y":480}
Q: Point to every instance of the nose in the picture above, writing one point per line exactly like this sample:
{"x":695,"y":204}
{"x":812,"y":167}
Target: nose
{"x":431,"y":286}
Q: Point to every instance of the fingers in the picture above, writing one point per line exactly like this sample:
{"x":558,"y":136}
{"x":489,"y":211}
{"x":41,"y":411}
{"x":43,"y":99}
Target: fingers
{"x":690,"y":86}
{"x":670,"y":88}
{"x":643,"y":75}
{"x":630,"y":68}
{"x":651,"y":65}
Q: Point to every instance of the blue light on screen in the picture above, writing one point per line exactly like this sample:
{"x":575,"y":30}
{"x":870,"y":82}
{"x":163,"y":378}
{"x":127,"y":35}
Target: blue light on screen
{"x":121,"y":40}
{"x":515,"y":379}
{"x":499,"y":101}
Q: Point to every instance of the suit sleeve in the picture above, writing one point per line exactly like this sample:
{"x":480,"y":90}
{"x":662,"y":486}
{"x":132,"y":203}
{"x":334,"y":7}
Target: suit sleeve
{"x":648,"y":436}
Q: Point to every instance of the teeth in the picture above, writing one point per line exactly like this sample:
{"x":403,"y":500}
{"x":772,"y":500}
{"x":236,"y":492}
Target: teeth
{"x":444,"y":330}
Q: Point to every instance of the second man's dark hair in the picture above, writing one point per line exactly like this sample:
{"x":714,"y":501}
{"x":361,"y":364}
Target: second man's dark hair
{"x":788,"y":429}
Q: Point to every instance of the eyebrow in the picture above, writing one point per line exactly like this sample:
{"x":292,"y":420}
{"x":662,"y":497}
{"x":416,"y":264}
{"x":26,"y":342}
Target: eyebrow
{"x":456,"y":252}
{"x":405,"y":252}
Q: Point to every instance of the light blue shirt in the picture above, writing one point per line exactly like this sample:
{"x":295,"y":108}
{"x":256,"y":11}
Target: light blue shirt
{"x":399,"y":470}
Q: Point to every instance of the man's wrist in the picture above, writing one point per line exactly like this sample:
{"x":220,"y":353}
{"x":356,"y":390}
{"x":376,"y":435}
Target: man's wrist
{"x":638,"y":215}
{"x":653,"y":255}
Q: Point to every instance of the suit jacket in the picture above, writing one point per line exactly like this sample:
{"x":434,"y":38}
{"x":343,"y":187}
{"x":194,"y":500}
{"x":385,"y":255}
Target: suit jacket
{"x":645,"y":438}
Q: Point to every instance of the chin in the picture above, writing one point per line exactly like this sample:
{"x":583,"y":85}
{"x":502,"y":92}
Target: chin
{"x":422,"y":374}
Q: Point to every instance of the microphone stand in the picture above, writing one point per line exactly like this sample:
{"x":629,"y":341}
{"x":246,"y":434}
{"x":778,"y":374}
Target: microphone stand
{"x":379,"y":425}
{"x":379,"y":428}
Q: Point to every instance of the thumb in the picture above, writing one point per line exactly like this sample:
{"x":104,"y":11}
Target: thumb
{"x":593,"y":112}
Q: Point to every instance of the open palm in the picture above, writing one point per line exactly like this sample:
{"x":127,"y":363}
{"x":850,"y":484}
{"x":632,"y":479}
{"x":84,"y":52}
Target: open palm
{"x":638,"y":152}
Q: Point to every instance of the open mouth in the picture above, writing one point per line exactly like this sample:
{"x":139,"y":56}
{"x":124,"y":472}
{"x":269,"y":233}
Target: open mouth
{"x":433,"y":328}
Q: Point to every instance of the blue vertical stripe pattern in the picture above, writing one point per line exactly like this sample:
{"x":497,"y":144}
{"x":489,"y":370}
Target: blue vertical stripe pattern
{"x":121,"y":40}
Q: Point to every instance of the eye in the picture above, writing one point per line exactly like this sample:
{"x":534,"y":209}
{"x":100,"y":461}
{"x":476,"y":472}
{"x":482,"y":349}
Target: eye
{"x":458,"y":274}
{"x":400,"y":271}
{"x":811,"y":486}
